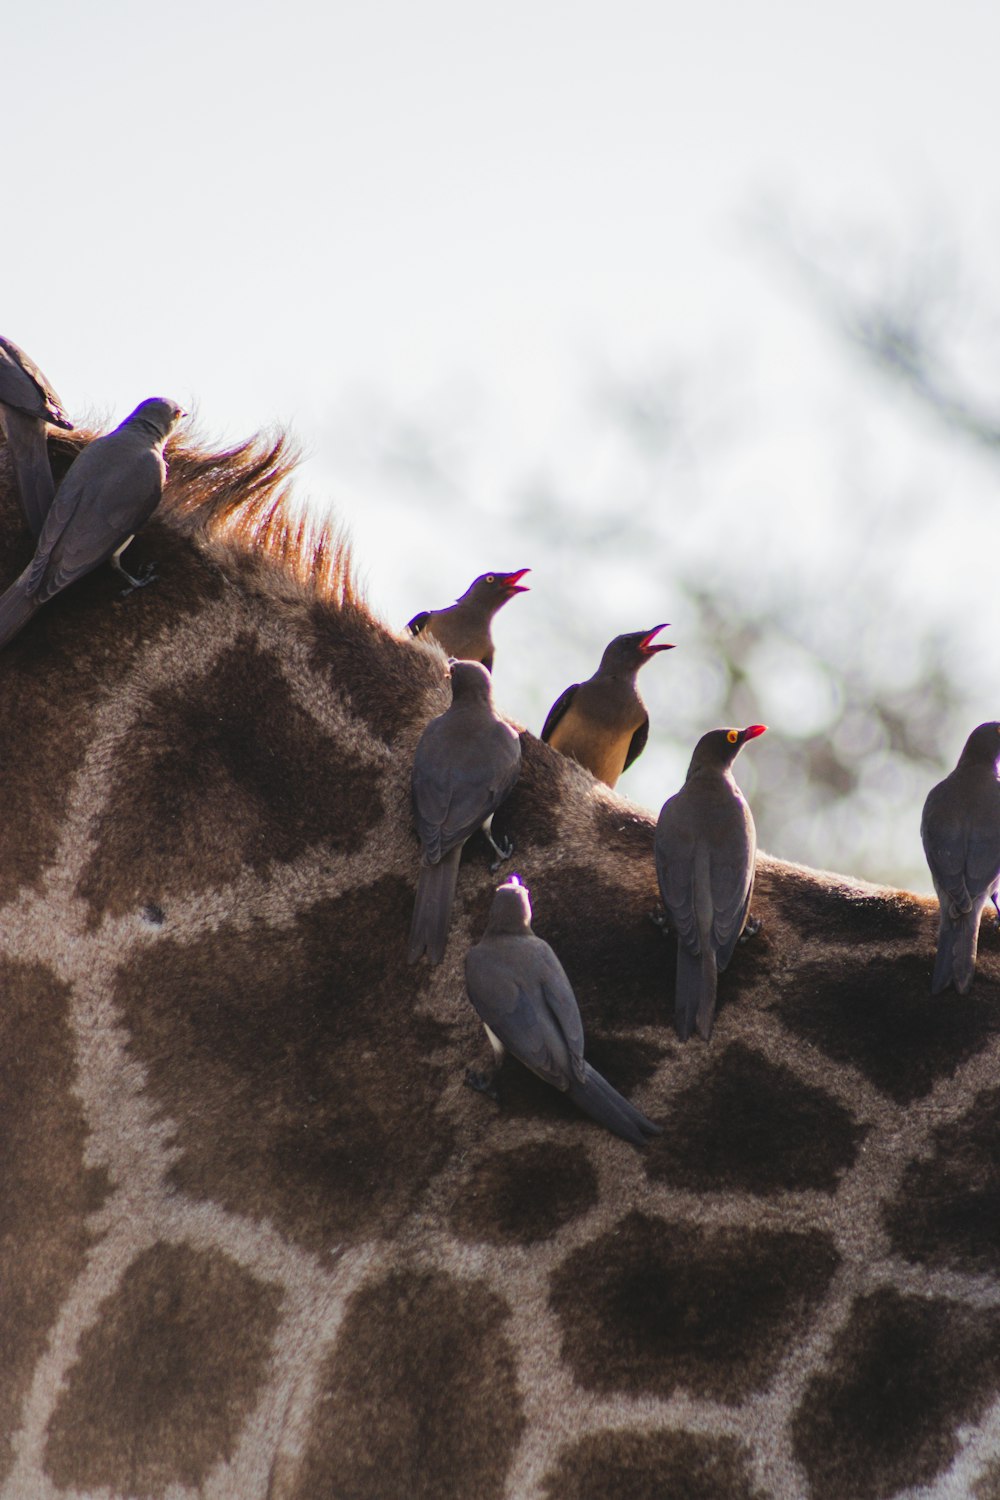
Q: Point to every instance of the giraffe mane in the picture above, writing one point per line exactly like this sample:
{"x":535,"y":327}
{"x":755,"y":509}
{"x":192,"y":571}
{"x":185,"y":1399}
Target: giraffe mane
{"x":237,"y":504}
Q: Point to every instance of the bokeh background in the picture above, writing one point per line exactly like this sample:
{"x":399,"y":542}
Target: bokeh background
{"x":694,"y":310}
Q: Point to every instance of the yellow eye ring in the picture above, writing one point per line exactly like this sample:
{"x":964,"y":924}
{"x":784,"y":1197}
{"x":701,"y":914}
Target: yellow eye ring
{"x":732,"y":736}
{"x":490,"y":578}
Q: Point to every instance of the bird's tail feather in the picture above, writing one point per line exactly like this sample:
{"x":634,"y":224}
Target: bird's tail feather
{"x":596,"y":1097}
{"x":688,"y":991}
{"x":16,"y":609}
{"x":30,"y":455}
{"x":709,"y":984}
{"x":966,"y":945}
{"x":432,"y":907}
{"x":958,"y":942}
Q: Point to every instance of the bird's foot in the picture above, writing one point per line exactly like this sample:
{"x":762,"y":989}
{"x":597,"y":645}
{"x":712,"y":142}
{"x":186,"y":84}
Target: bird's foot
{"x":483,"y":1083}
{"x":660,"y":920}
{"x":754,"y":924}
{"x":139,"y":580}
{"x":503,"y":852}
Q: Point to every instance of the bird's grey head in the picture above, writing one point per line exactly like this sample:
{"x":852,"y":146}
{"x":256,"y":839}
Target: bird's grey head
{"x":983,"y":744}
{"x":490,"y":590}
{"x":626,"y":653}
{"x":511,"y":909}
{"x":719,"y":747}
{"x":470,"y":680}
{"x":158,"y":413}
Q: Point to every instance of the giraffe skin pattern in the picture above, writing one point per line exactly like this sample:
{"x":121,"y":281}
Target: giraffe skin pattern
{"x":257,"y":1239}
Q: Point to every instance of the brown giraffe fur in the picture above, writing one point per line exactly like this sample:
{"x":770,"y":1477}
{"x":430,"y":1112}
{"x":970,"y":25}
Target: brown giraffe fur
{"x":257,"y":1238}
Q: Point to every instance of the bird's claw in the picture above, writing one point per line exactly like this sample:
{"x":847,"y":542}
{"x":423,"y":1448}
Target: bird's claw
{"x":659,"y":920}
{"x":503,"y":853}
{"x":483,"y":1083}
{"x":139,"y":580}
{"x":753,"y":926}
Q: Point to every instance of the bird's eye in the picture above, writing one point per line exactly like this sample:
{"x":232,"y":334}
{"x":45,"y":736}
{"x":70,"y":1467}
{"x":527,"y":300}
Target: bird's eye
{"x":490,"y":578}
{"x":733,"y":736}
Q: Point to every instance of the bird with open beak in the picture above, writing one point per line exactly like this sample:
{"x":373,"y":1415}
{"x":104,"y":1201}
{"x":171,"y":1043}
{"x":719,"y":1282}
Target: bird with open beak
{"x":603,"y":723}
{"x":464,"y":629}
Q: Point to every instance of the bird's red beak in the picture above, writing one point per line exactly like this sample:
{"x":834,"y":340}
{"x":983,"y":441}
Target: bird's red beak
{"x":646,"y":644}
{"x":753,"y":730}
{"x":511,"y":584}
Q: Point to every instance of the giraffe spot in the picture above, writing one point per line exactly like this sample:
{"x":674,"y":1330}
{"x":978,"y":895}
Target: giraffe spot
{"x":380,"y":677}
{"x":749,"y":1126}
{"x":45,"y":1189}
{"x":222,"y":772}
{"x":947,"y":1210}
{"x":524,"y":1195}
{"x":621,"y":831}
{"x":49,"y":694}
{"x":901,"y":1378}
{"x":420,"y":1397}
{"x":878,"y":1014}
{"x":651,"y":1466}
{"x":818,"y":908}
{"x":166,"y":1378}
{"x":300,"y":1079}
{"x":531,"y":815}
{"x":656,"y":1307}
{"x":617,"y":961}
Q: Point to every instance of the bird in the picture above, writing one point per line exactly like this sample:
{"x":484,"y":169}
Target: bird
{"x":466,"y":762}
{"x":522,"y":995}
{"x":603,"y":723}
{"x":463,"y":630}
{"x":109,"y":491}
{"x":704,"y":846}
{"x":28,"y":407}
{"x":960,"y":831}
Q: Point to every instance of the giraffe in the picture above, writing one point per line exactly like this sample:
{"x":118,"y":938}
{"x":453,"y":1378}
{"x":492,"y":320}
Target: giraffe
{"x":258,"y":1239}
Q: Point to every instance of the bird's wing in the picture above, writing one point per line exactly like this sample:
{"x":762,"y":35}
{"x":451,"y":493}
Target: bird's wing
{"x":638,"y":744}
{"x":111,"y":503}
{"x":557,"y":710}
{"x":416,"y":625}
{"x":24,"y":387}
{"x":453,"y":796}
{"x":982,"y":860}
{"x":945,"y":838}
{"x":732,"y":872}
{"x":503,"y":978}
{"x":675,"y":863}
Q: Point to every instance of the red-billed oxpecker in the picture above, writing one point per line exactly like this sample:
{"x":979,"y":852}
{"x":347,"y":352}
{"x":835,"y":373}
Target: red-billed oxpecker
{"x":705,"y":848}
{"x":960,"y":830}
{"x":467,"y":760}
{"x":110,"y":490}
{"x":603,"y":723}
{"x":464,"y":629}
{"x":522,"y":995}
{"x":28,"y":408}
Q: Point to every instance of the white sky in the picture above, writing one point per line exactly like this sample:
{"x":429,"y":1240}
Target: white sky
{"x":461,"y":218}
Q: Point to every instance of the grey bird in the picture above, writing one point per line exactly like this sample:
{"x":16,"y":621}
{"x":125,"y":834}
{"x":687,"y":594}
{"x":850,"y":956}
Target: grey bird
{"x":110,"y":490}
{"x":522,"y":995}
{"x":28,"y":407}
{"x":467,"y":761}
{"x":603,"y":723}
{"x":705,"y":847}
{"x":464,"y":629}
{"x":960,"y":829}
